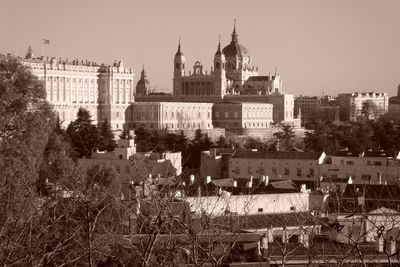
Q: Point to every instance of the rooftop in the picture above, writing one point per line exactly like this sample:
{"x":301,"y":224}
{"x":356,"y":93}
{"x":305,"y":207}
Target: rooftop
{"x":277,"y":155}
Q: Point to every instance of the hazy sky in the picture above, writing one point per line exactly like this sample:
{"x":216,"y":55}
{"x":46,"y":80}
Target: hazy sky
{"x":318,"y":46}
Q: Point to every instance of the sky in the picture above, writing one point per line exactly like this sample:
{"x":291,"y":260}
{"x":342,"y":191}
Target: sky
{"x":319,"y":46}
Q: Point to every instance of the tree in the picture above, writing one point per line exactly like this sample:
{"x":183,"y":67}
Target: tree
{"x":369,"y":110}
{"x":25,"y":126}
{"x":142,"y":140}
{"x":126,"y":134}
{"x":285,"y":136}
{"x":106,"y":141}
{"x":221,"y":142}
{"x":83,"y":134}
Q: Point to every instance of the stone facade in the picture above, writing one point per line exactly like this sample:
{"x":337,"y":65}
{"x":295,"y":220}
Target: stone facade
{"x":104,"y":90}
{"x":235,"y":117}
{"x":232,"y":73}
{"x":170,"y":115}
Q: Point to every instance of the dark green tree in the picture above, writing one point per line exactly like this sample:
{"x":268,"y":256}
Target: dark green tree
{"x":142,"y":140}
{"x":125,"y":134}
{"x":369,"y":110}
{"x":106,"y":141}
{"x":285,"y":136}
{"x":83,"y":134}
{"x":221,"y":142}
{"x":25,"y":126}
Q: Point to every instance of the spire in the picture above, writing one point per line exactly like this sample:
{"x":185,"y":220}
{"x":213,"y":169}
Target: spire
{"x":234,"y":34}
{"x":143,"y":74}
{"x":29,"y":53}
{"x":219,"y":47}
{"x":179,"y":53}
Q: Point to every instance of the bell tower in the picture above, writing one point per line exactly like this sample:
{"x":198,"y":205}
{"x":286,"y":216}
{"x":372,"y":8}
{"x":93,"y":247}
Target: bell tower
{"x":219,"y":72}
{"x":179,"y":70}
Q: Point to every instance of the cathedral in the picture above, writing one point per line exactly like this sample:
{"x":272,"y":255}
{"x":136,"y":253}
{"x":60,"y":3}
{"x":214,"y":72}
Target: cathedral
{"x":232,"y":74}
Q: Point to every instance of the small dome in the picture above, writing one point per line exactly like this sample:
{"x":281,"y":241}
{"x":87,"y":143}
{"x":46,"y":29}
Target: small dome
{"x":144,"y":82}
{"x":143,"y":85}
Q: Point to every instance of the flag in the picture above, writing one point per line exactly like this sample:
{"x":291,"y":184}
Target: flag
{"x":46,"y":42}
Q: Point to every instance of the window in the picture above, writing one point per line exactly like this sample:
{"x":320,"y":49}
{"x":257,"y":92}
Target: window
{"x":249,"y":170}
{"x":226,"y":114}
{"x":366,"y":177}
{"x":274,"y":171}
{"x":298,"y":171}
{"x":350,"y":162}
{"x":235,"y":114}
{"x":217,"y":114}
{"x":311,"y":172}
{"x":287,"y":171}
{"x":260,"y":209}
{"x":377,"y":163}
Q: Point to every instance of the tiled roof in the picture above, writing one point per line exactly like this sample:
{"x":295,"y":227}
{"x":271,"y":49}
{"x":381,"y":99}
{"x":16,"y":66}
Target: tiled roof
{"x":262,"y":221}
{"x":258,"y":78}
{"x":385,"y":154}
{"x":277,"y":155}
{"x":346,"y":153}
{"x":286,"y":184}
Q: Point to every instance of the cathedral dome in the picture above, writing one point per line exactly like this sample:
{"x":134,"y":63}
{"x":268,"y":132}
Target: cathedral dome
{"x":234,"y":49}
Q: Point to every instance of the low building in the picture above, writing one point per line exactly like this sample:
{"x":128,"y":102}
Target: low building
{"x":369,"y":167}
{"x":135,"y":167}
{"x":215,"y":162}
{"x":256,"y":204}
{"x":364,"y":227}
{"x":295,"y":166}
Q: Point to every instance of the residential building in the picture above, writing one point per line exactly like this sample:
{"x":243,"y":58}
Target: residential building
{"x":135,"y":167}
{"x":366,"y":167}
{"x":328,"y":112}
{"x":104,"y":90}
{"x":394,"y":102}
{"x":215,"y":162}
{"x":255,"y":203}
{"x":308,"y":106}
{"x":295,"y":166}
{"x":351,"y":105}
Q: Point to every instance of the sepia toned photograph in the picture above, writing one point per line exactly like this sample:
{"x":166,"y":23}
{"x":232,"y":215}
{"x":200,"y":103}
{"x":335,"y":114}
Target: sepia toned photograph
{"x":191,"y":133}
